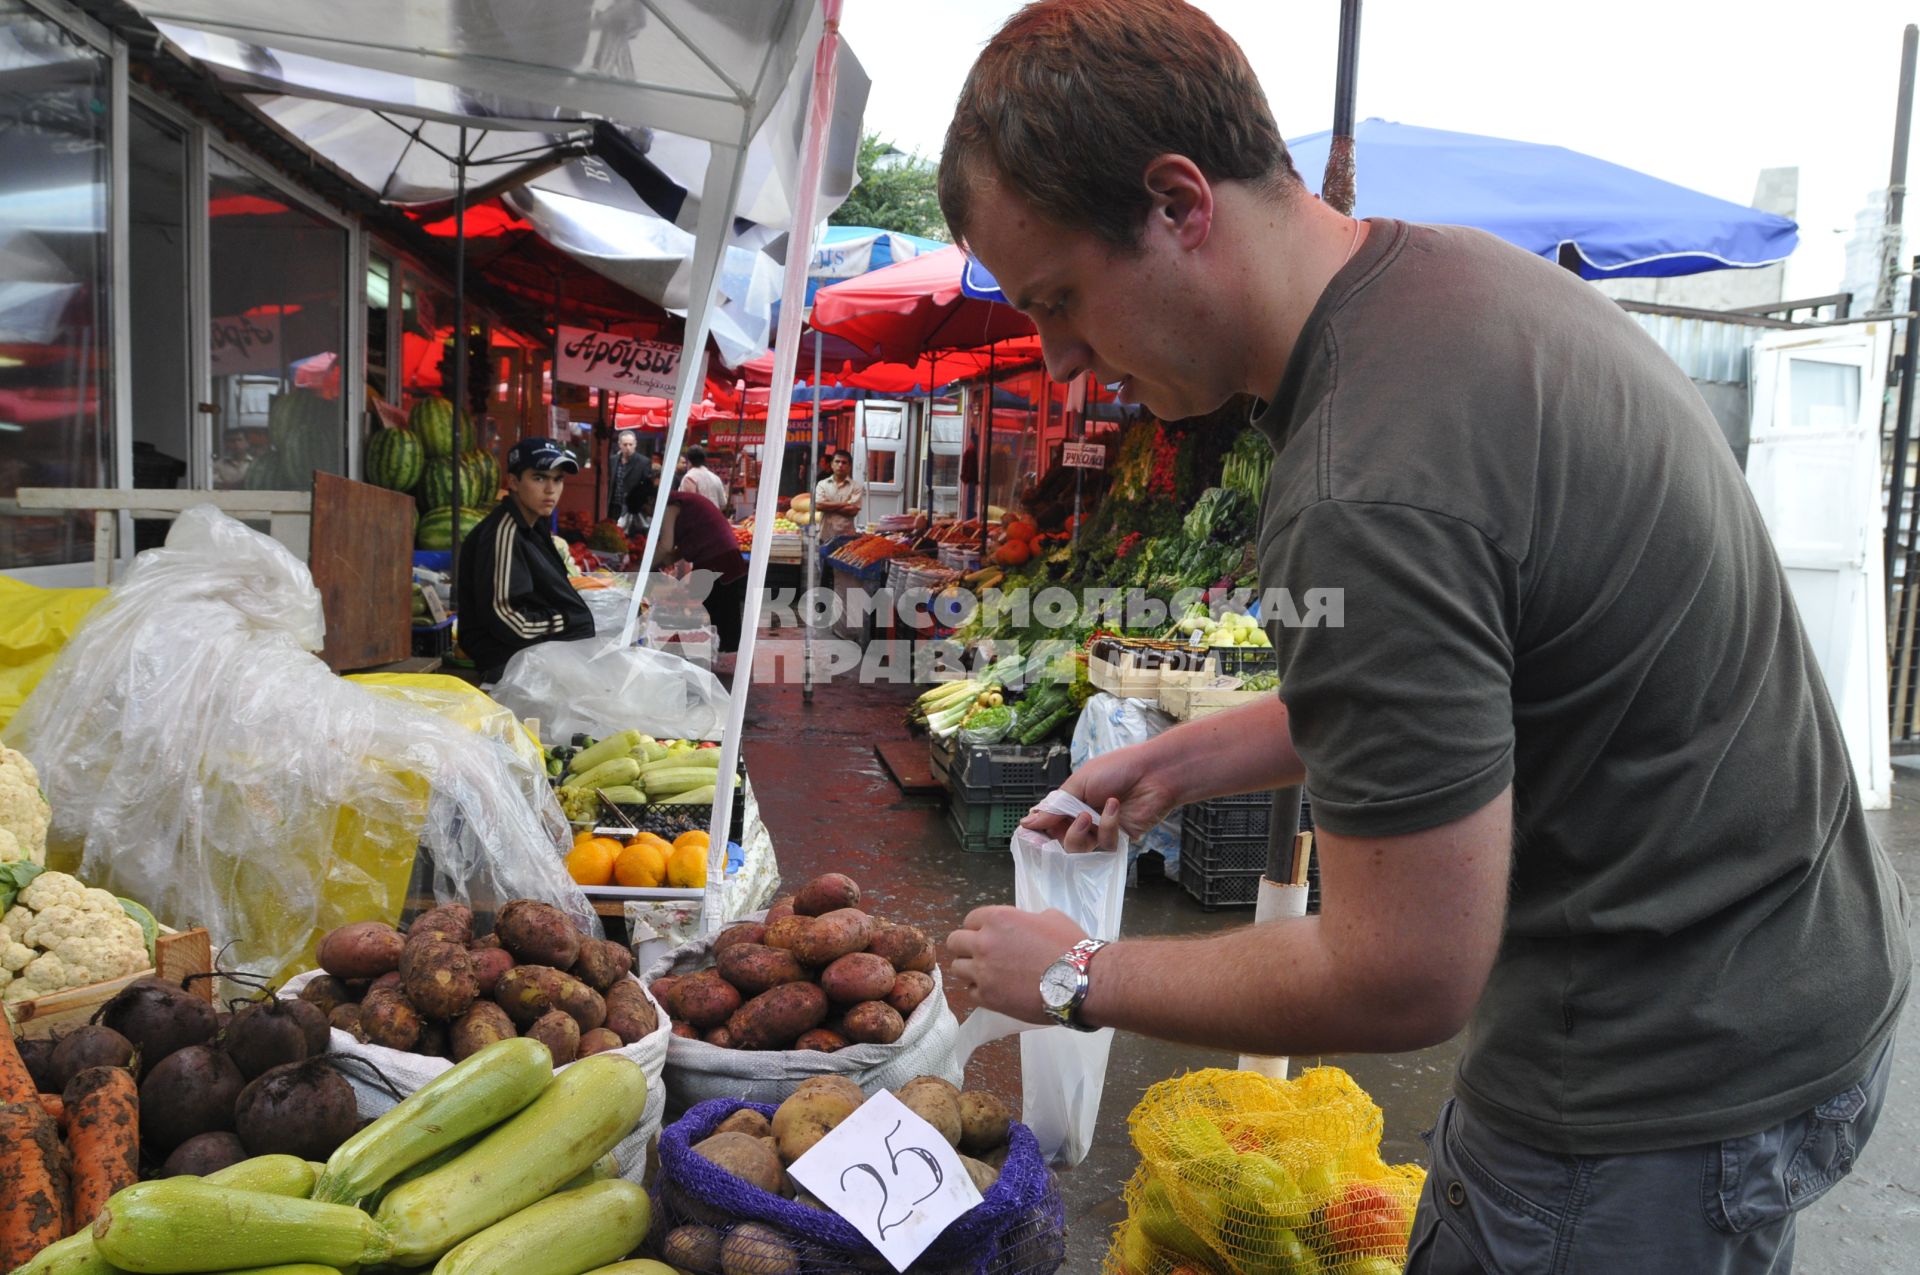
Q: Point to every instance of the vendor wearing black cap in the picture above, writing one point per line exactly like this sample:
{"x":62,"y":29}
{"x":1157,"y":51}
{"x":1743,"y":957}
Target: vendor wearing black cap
{"x":513,"y":588}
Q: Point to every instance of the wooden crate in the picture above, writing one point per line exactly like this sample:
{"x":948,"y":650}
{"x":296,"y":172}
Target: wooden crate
{"x":1124,"y":677}
{"x":1185,"y":696}
{"x":176,"y":955}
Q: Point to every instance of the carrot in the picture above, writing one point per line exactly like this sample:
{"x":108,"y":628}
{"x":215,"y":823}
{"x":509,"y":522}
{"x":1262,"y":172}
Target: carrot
{"x":16,"y":1082}
{"x":33,"y":1182}
{"x":54,"y":1107}
{"x":103,"y":1136}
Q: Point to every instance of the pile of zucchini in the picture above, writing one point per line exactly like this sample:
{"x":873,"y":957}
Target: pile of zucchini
{"x":498,"y":1166}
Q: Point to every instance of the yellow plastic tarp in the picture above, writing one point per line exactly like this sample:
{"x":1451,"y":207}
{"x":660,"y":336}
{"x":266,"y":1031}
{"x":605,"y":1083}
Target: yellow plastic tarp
{"x":34,"y":624}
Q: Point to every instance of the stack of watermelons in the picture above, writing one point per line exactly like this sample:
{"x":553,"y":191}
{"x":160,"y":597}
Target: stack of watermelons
{"x":395,"y":459}
{"x":303,"y":434}
{"x":436,"y":527}
{"x":479,"y":481}
{"x":420,"y":459}
{"x":432,"y":420}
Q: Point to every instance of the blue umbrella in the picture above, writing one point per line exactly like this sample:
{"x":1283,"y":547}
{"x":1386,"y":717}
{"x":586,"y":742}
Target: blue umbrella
{"x":1618,"y":222}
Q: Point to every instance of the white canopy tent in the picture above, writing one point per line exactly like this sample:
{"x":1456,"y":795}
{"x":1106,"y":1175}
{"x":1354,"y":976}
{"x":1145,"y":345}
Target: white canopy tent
{"x":714,"y":74}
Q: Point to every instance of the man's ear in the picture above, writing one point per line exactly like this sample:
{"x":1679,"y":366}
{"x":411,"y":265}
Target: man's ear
{"x":1181,"y":200}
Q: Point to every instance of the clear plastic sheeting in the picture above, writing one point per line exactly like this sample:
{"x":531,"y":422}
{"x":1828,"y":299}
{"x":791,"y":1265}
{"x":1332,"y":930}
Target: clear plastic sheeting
{"x":201,"y":759}
{"x":597,"y":687}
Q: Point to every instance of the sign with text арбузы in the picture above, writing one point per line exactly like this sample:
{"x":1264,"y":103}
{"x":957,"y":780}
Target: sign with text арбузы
{"x":892,"y":1175}
{"x":245,"y":343}
{"x":622,"y":364}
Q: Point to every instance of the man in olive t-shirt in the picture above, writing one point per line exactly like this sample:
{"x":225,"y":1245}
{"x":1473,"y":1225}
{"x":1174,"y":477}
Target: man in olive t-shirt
{"x":1578,"y":785}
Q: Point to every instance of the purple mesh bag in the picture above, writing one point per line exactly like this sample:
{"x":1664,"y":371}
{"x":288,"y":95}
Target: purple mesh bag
{"x":1019,"y":1227}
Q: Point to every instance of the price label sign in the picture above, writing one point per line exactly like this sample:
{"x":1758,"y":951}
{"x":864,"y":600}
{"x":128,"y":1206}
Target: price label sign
{"x":892,"y":1175}
{"x":1083,"y":455}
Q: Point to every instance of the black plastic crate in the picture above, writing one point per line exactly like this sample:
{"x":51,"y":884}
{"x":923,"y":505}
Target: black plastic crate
{"x":1234,"y":817}
{"x":1219,"y":889}
{"x":433,"y":641}
{"x":1217,"y":854}
{"x":983,"y":773}
{"x":985,"y":828}
{"x":1245,"y":661}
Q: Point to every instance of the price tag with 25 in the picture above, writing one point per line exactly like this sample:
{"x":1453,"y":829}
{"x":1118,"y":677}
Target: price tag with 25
{"x":892,"y":1175}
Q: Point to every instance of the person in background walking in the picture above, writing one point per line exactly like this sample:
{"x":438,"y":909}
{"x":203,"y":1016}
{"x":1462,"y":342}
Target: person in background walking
{"x":626,"y":481}
{"x":837,"y":499}
{"x":703,"y":481}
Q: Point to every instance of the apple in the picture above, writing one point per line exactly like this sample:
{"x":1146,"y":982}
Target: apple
{"x":1367,"y":1217}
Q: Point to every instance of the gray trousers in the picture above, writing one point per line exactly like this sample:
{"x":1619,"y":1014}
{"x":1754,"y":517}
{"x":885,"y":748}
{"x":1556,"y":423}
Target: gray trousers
{"x":1492,"y":1206}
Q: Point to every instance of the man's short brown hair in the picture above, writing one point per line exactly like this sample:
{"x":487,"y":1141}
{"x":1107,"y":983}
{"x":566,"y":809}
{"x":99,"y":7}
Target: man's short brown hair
{"x":1072,"y":99}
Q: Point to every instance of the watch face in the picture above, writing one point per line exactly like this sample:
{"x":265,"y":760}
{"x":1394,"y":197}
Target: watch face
{"x":1058,"y":984}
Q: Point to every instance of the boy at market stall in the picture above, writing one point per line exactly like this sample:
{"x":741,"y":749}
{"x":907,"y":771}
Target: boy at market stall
{"x":693,"y":531}
{"x":1578,"y":785}
{"x":837,"y":499}
{"x":513,"y":590}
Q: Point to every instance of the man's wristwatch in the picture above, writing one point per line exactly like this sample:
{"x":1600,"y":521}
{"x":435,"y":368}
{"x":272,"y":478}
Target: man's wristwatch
{"x":1063,"y":987}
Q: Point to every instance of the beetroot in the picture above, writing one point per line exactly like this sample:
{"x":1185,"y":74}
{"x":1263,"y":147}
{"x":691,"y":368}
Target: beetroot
{"x":190,"y":1091}
{"x":204,"y":1153}
{"x":37,"y":1053}
{"x":313,"y":1023}
{"x":263,"y":1035}
{"x":158,"y":1018}
{"x":304,"y":1109}
{"x":84,"y":1047}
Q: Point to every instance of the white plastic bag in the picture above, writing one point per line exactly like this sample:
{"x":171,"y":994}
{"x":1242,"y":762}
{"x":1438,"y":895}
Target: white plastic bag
{"x":1062,"y":1071}
{"x":201,"y":759}
{"x":597,"y":687}
{"x":1109,"y":722}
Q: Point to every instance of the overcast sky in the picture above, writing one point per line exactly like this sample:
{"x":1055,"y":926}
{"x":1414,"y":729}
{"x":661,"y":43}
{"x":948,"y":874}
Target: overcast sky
{"x":1705,"y":93}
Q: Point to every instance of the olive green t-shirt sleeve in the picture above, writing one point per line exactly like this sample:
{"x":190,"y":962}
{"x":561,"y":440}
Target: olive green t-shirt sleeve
{"x":1403,"y":711}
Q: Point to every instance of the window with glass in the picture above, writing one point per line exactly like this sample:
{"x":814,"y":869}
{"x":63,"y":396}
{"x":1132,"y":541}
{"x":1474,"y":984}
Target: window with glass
{"x":55,"y":327}
{"x":278,"y":276}
{"x":158,"y":303}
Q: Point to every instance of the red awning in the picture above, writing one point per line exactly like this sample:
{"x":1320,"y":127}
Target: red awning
{"x":904,"y":311}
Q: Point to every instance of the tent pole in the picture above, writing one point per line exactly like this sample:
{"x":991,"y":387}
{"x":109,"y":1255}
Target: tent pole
{"x":459,"y":338}
{"x":786,"y":354}
{"x":1337,"y":187}
{"x":811,"y":541}
{"x":1896,"y":183}
{"x":986,"y":462}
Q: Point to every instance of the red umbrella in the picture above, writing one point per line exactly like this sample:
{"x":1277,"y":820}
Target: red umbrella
{"x":903,"y":311}
{"x":923,"y":373}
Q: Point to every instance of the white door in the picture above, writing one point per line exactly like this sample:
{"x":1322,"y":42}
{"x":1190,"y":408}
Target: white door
{"x":946,"y":440}
{"x":1814,"y":466}
{"x":879,"y":458}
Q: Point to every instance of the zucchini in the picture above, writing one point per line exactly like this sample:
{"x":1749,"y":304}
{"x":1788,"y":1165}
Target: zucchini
{"x":624,"y":795}
{"x":561,"y":1235}
{"x":606,"y":750}
{"x":608,"y":774}
{"x":581,"y":1116}
{"x":459,"y":1103}
{"x":179,"y":1225}
{"x":690,"y":796}
{"x":293,"y":1268}
{"x":678,"y":779}
{"x":707,"y":758}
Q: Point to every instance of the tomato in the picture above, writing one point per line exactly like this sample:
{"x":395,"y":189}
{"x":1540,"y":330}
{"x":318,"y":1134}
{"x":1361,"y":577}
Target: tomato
{"x":1367,"y":1217}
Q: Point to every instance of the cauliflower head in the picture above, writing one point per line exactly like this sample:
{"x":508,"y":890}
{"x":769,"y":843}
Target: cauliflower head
{"x":24,"y":813}
{"x":70,"y":936}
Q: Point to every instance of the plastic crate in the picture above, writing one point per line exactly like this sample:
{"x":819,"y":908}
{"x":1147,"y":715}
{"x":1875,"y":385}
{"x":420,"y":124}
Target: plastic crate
{"x":433,"y":641}
{"x":1243,"y":661}
{"x":1220,"y":854}
{"x":1219,"y":889}
{"x":1231,"y":817}
{"x":984,"y":773}
{"x":988,"y":828}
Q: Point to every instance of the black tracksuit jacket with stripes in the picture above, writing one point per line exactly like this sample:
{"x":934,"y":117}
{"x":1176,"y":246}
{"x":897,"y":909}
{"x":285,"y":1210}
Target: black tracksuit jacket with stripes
{"x":513,"y":591}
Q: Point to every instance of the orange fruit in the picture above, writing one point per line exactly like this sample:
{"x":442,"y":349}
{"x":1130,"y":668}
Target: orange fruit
{"x":642,"y":863}
{"x":591,"y":861}
{"x":696,"y":837}
{"x":687,"y":866}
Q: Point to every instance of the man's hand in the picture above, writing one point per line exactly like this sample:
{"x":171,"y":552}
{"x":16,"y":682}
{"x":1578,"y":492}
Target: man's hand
{"x":1001,"y":953}
{"x":1131,"y":793}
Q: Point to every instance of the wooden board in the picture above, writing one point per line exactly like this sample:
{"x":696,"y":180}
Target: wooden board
{"x":175,"y":957}
{"x":907,"y":761}
{"x":362,"y":560}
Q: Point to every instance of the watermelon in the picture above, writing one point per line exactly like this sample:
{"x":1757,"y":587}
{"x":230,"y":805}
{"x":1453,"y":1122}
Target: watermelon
{"x":432,"y":420}
{"x":263,"y":474}
{"x":395,"y":459}
{"x":479,"y":481}
{"x":305,"y":432}
{"x":436,"y":528}
{"x":486,"y":476}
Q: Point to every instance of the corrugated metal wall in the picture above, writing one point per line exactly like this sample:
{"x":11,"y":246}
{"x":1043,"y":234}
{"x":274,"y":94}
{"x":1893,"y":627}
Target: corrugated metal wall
{"x":1705,"y":349}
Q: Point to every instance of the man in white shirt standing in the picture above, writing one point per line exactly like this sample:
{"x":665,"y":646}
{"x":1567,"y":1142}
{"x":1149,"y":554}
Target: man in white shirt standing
{"x":702,"y":481}
{"x":837,"y":499}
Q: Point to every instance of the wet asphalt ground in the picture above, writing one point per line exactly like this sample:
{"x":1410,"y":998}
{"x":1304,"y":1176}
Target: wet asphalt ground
{"x":832,"y":807}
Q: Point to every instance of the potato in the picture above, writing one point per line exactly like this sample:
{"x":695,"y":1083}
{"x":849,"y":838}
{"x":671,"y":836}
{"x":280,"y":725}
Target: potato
{"x":925,"y":963}
{"x":598,"y":1041}
{"x":489,"y":963}
{"x":486,"y":942}
{"x":686,"y":1031}
{"x":983,"y":1175}
{"x":479,"y":1027}
{"x":832,"y":936}
{"x":754,"y":967}
{"x":453,"y":922}
{"x":782,"y":907}
{"x":996,"y":1159}
{"x":387,"y":1019}
{"x":856,"y":977}
{"x":326,"y":993}
{"x":984,"y":1121}
{"x":744,"y":932}
{"x":392,"y":980}
{"x":776,"y":1017}
{"x":745,"y":1157}
{"x":528,"y":991}
{"x":601,"y":964}
{"x":900,"y":944}
{"x":753,"y":1249}
{"x":705,"y":1000}
{"x":559,"y":1033}
{"x":836,"y":1084}
{"x":662,"y":985}
{"x":785,"y":932}
{"x":747,"y":1121}
{"x":826,"y":894}
{"x":719,"y":1037}
{"x":807,"y":1116}
{"x":347,"y":1018}
{"x":935,"y":1102}
{"x":938,"y":1082}
{"x":365,"y":949}
{"x":538,"y":934}
{"x":872,"y":1023}
{"x":822,"y":1040}
{"x":439,"y":979}
{"x":909,"y":989}
{"x":695,"y":1249}
{"x":630,"y":1015}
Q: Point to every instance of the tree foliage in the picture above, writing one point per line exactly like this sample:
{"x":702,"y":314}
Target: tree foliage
{"x":895,"y":192}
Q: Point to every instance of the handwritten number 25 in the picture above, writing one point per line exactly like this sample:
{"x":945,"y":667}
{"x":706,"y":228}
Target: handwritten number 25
{"x":881,"y":1224}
